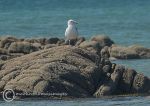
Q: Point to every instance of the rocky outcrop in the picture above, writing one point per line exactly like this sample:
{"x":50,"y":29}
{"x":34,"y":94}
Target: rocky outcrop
{"x":11,"y":47}
{"x":71,"y":70}
{"x":130,"y":52}
{"x":61,"y":69}
{"x":123,"y":81}
{"x":97,"y":42}
{"x":116,"y":51}
{"x":22,"y":47}
{"x":103,"y":40}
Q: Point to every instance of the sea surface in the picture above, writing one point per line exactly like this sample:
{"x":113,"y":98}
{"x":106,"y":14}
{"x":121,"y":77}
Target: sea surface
{"x":109,"y":101}
{"x":127,"y":22}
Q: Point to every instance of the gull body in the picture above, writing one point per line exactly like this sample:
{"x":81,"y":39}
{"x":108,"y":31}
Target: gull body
{"x":71,"y":32}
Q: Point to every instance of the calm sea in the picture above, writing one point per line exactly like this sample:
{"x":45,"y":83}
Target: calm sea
{"x":125,"y":21}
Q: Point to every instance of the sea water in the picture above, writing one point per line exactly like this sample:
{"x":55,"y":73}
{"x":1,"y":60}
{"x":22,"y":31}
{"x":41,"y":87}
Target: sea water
{"x":126,"y":22}
{"x":110,"y":101}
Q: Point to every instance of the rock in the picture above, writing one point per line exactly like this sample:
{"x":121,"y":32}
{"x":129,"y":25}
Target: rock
{"x":78,"y":71}
{"x":59,"y":69}
{"x":37,"y":45}
{"x":14,"y":55}
{"x":21,"y":39}
{"x":141,"y":51}
{"x":126,"y":81}
{"x":61,"y":42}
{"x":80,"y":40}
{"x":39,"y":40}
{"x":131,"y":52}
{"x":110,"y":87}
{"x":107,"y":62}
{"x":51,"y":41}
{"x":42,"y":41}
{"x":6,"y":41}
{"x":102,"y":40}
{"x":141,"y":84}
{"x":87,"y":44}
{"x":3,"y":57}
{"x":105,"y":52}
{"x":31,"y":40}
{"x":107,"y":69}
{"x":117,"y":74}
{"x":50,"y":46}
{"x":71,"y":42}
{"x":3,"y":51}
{"x":41,"y":87}
{"x":22,"y":47}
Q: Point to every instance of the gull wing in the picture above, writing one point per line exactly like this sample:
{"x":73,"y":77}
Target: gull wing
{"x":77,"y":30}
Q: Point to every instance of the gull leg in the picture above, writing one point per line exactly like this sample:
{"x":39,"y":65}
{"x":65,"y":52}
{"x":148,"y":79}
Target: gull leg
{"x":65,"y":41}
{"x":69,"y":42}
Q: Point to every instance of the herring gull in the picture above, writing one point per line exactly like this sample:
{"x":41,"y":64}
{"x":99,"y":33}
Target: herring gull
{"x":71,"y":32}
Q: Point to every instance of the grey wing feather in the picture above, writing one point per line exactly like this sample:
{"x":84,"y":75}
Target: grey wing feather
{"x":77,"y":30}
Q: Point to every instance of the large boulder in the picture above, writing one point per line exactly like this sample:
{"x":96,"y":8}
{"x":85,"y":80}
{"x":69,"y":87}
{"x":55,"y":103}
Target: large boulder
{"x":127,"y":81}
{"x":141,"y":51}
{"x":103,"y":40}
{"x":59,"y":69}
{"x":91,"y":46}
{"x":141,"y":84}
{"x":109,"y":87}
{"x":22,"y":47}
{"x":87,"y":44}
{"x":51,"y":40}
{"x":130,"y":52}
{"x":6,"y":41}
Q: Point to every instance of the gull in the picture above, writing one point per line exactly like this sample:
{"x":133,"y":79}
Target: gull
{"x":71,"y":32}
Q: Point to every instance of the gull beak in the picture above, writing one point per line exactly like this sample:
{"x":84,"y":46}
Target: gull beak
{"x":75,"y":22}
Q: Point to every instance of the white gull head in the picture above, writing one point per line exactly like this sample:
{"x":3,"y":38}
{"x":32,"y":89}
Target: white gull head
{"x":71,"y":31}
{"x":71,"y":22}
